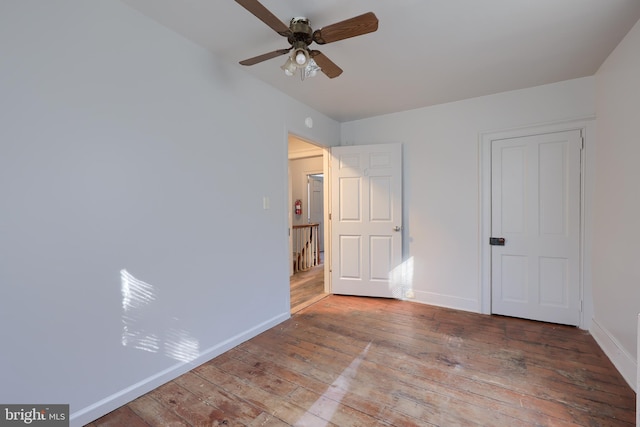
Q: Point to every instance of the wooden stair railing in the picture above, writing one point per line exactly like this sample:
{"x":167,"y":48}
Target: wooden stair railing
{"x":306,"y":248}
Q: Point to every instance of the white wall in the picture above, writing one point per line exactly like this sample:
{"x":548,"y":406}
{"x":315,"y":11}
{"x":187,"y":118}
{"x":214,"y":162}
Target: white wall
{"x":616,"y":270}
{"x":300,"y":168}
{"x":124,"y":147}
{"x":441,"y":177}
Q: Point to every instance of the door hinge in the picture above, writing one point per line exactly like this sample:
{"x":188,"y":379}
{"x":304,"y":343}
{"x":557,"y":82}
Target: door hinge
{"x":329,"y":216}
{"x":582,"y":143}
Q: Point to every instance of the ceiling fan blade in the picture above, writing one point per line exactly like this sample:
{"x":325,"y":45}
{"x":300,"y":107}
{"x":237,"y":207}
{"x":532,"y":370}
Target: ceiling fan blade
{"x":363,"y":24}
{"x":263,"y":14}
{"x":327,"y":66}
{"x":265,"y":56}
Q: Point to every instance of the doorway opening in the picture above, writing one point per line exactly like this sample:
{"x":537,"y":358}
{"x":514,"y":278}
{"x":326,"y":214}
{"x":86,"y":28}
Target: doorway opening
{"x":307,"y":213}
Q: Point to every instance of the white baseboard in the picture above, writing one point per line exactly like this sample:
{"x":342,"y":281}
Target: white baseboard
{"x":447,"y":301}
{"x":96,"y":410}
{"x":621,"y":359}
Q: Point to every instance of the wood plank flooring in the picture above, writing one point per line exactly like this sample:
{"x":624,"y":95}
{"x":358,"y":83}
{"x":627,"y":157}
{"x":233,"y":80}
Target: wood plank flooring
{"x":307,"y":287}
{"x":350,"y":361}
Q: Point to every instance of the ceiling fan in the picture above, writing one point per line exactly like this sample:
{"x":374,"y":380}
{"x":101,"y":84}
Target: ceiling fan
{"x":300,"y":35}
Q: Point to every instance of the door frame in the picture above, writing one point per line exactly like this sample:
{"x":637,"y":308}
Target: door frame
{"x":587,"y":127}
{"x":307,"y":175}
{"x":326,"y":153}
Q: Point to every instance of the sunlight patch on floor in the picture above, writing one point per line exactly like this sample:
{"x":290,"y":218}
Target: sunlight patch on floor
{"x":325,"y":407}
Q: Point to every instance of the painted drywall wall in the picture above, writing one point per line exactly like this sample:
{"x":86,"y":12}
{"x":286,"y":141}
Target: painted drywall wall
{"x":129,"y":204}
{"x":441,"y":181}
{"x":300,"y":168}
{"x":616,"y":272}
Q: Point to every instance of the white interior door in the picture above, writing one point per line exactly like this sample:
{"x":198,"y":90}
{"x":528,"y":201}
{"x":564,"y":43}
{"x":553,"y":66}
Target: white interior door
{"x":366,"y":218}
{"x":535,"y":202}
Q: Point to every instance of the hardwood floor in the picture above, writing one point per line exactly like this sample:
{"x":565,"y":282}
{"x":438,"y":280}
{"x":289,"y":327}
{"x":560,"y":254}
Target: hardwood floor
{"x":350,"y":361}
{"x":307,"y":287}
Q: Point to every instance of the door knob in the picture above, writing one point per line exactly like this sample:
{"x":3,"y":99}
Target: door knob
{"x":397,"y":228}
{"x":497,"y":241}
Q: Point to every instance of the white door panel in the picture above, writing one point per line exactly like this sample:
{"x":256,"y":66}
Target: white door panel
{"x":536,"y":209}
{"x":366,"y":184}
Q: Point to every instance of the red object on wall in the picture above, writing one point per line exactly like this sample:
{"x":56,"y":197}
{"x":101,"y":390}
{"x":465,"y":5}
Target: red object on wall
{"x":298,"y":207}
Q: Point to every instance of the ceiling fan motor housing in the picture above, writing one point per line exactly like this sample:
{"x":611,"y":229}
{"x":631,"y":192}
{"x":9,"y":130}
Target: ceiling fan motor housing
{"x":300,"y":31}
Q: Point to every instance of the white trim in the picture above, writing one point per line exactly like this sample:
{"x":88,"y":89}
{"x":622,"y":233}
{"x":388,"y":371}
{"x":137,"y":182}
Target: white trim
{"x":621,"y":359}
{"x":442,"y":300}
{"x":484,"y":159}
{"x":94,"y":411}
{"x":326,"y":160}
{"x":305,"y":184}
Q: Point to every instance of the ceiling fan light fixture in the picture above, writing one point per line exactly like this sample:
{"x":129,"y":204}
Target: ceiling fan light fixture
{"x":300,"y":60}
{"x":289,"y":67}
{"x":300,"y":35}
{"x":301,"y":56}
{"x":311,"y":69}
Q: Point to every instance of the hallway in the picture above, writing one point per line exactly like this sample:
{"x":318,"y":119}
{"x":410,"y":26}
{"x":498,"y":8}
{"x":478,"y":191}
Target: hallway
{"x":307,"y":287}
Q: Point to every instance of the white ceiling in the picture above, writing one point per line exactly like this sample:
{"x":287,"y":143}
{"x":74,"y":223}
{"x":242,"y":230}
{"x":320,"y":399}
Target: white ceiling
{"x":425,"y":52}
